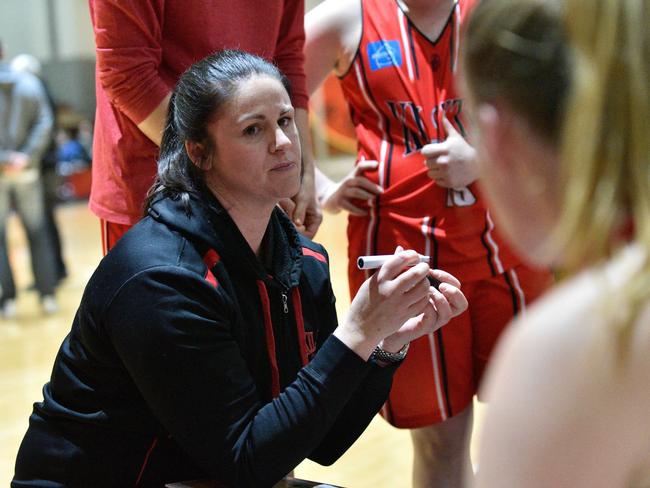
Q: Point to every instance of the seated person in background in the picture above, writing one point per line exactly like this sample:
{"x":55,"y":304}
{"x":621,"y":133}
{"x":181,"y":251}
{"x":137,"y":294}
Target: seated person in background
{"x":85,"y":136}
{"x":206,"y":343}
{"x":69,"y":148}
{"x":561,"y":97}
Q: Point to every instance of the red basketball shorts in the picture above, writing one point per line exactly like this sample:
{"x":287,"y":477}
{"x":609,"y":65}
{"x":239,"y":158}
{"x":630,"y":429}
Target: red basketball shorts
{"x":443,"y":370}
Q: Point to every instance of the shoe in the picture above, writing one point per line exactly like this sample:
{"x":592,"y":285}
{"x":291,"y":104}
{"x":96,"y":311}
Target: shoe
{"x":49,"y":304}
{"x":8,"y":310}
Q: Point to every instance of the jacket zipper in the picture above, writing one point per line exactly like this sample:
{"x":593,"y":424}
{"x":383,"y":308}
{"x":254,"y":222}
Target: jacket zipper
{"x":285,"y":302}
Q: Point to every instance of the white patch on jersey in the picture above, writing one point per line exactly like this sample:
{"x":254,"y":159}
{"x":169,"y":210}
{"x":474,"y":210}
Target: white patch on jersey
{"x":462,"y":197}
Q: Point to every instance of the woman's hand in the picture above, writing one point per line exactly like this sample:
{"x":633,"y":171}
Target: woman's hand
{"x":342,"y":195}
{"x":452,"y":163}
{"x":444,"y":304}
{"x":398,"y":291}
{"x":313,"y":216}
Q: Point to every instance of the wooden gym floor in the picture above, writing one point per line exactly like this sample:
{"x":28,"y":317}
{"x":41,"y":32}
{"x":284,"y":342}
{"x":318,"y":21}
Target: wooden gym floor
{"x":28,"y":345}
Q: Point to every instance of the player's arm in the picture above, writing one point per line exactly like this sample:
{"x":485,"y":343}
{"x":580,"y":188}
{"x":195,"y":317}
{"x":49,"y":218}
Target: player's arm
{"x":332,"y":35}
{"x":303,"y":208}
{"x":153,"y":124}
{"x":307,"y":214}
{"x":128,"y":36}
{"x":563,"y":410}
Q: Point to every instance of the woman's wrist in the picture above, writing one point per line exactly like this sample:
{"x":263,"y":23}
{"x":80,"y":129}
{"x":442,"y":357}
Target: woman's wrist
{"x":392,"y":345}
{"x":356,"y":340}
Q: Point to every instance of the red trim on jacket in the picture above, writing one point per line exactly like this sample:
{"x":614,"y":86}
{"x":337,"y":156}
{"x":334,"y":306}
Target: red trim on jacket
{"x":211,"y":258}
{"x":300,"y":324}
{"x":310,"y":252}
{"x":146,"y":460}
{"x":210,"y":278}
{"x":270,"y":338}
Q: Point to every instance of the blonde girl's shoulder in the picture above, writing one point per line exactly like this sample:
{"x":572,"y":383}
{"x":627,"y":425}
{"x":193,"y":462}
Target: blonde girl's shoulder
{"x":580,"y":321}
{"x":563,"y":391}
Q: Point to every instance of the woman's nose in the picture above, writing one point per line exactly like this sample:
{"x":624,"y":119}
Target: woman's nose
{"x":280,"y":140}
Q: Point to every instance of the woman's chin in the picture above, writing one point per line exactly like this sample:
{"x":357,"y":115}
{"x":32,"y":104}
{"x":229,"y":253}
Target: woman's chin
{"x":293,"y":191}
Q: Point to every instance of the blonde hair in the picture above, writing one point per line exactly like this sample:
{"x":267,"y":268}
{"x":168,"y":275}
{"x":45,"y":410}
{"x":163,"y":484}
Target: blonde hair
{"x":600,"y":81}
{"x":606,"y":150}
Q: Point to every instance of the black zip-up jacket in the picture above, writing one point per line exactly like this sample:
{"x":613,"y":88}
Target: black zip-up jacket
{"x":190,"y":358}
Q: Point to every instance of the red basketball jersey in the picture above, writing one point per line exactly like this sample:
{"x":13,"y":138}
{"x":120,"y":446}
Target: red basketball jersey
{"x":398,"y":87}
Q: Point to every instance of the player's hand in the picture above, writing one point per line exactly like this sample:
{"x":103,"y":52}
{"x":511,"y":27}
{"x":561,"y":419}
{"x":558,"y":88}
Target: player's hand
{"x":452,"y":163}
{"x":303,"y":209}
{"x":345,"y":194}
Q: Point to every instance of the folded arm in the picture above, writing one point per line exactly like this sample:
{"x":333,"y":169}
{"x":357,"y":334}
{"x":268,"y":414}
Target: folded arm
{"x":128,"y":36}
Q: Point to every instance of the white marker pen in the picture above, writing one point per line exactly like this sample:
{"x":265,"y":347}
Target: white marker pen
{"x":373,"y":262}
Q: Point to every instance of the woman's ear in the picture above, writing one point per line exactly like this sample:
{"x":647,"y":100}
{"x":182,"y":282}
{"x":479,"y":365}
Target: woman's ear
{"x":492,"y":131}
{"x":198,"y":154}
{"x":504,"y":136}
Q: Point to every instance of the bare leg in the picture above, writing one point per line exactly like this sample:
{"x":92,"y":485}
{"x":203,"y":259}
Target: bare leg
{"x":441,"y":452}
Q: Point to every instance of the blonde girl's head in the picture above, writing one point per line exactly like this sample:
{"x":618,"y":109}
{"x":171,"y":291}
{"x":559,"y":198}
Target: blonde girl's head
{"x":516,"y":69}
{"x":590,"y":61}
{"x":515,"y":51}
{"x":578,"y":71}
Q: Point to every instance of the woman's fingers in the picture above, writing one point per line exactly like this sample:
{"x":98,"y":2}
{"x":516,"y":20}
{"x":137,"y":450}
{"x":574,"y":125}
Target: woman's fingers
{"x":445,"y":277}
{"x":365,"y":165}
{"x":354,"y":189}
{"x":355,"y":192}
{"x":418,"y":307}
{"x":287,"y":205}
{"x":449,"y":286}
{"x":455,"y":297}
{"x":366,"y":184}
{"x":352,"y":209}
{"x":418,"y":294}
{"x":394,"y":269}
{"x":432,"y":151}
{"x":442,"y":306}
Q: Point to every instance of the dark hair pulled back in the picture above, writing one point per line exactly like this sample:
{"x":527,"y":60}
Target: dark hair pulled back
{"x":195,"y":102}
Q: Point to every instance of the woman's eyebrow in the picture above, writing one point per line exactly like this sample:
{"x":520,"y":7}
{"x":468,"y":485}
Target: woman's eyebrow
{"x":259,"y":116}
{"x":251,"y":116}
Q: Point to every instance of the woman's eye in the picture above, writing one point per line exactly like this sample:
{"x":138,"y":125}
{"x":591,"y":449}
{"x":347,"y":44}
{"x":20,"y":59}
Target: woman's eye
{"x":284,"y":121}
{"x":251,"y":130}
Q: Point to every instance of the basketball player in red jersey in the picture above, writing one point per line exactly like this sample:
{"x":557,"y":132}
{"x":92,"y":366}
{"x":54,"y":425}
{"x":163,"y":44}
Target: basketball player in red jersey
{"x":142,"y":50}
{"x":414,"y":185}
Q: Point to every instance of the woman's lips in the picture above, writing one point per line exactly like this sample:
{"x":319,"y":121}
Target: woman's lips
{"x":284,"y":166}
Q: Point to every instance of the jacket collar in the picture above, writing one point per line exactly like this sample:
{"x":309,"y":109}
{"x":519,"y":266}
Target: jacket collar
{"x":209,"y":226}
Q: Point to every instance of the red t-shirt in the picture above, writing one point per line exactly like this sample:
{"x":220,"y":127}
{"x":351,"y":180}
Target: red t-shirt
{"x":142,"y":49}
{"x":398,"y":87}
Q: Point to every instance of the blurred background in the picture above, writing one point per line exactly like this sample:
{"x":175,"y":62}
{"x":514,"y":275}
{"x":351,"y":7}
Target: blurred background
{"x":58,"y":35}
